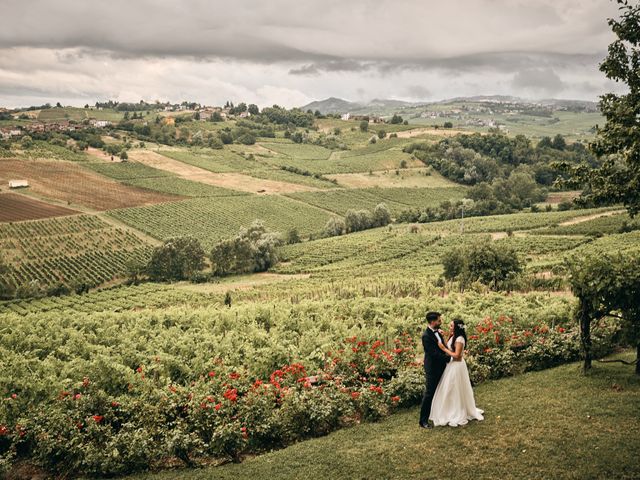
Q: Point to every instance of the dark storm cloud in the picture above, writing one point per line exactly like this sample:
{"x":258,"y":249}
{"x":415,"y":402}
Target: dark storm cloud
{"x":283,"y":51}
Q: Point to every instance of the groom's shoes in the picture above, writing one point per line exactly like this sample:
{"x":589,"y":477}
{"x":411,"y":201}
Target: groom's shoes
{"x":425,"y":425}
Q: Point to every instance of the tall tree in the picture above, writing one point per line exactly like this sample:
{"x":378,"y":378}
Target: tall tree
{"x":618,"y":142}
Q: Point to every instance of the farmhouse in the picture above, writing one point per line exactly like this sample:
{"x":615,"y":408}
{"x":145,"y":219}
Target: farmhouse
{"x":99,"y":123}
{"x":18,"y":183}
{"x":345,"y":116}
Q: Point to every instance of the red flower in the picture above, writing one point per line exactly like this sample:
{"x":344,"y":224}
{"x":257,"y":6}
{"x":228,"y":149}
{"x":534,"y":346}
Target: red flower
{"x":395,"y":399}
{"x":77,"y":396}
{"x":234,"y":376}
{"x":85,"y":382}
{"x":139,"y":369}
{"x":561,"y":330}
{"x":212,"y":374}
{"x":378,"y":390}
{"x":115,"y":404}
{"x":244,"y":432}
{"x":218,"y":406}
{"x":3,"y":430}
{"x":473,"y":337}
{"x":355,"y":395}
{"x":231,"y":394}
{"x":98,"y":418}
{"x":487,"y":350}
{"x":14,"y":396}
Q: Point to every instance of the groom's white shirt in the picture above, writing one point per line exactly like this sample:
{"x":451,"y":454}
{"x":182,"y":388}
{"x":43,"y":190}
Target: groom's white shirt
{"x":436,"y":333}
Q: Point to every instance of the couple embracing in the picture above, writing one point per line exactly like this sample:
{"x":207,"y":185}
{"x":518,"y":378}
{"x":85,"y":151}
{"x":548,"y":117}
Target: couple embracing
{"x":448,"y":399}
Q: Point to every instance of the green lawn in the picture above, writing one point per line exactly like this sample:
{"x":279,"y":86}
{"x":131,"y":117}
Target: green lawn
{"x":552,"y":424}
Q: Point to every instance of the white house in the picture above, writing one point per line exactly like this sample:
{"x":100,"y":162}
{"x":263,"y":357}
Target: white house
{"x":345,"y":116}
{"x":18,"y":183}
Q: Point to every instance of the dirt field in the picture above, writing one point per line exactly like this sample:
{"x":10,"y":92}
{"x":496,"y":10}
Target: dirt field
{"x":101,"y":154}
{"x":234,"y":181}
{"x":15,"y":207}
{"x":557,"y":197}
{"x":69,"y":182}
{"x":442,"y":132}
{"x":409,"y":178}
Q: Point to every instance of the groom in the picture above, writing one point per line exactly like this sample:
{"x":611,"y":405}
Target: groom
{"x":435,"y":360}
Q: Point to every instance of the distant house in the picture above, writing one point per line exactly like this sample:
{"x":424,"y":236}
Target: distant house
{"x":345,"y":116}
{"x":100,"y":123}
{"x":18,"y":183}
{"x":15,"y":133}
{"x":244,"y":114}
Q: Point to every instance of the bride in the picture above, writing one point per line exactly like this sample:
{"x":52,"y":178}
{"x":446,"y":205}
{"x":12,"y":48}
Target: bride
{"x":453,"y":402}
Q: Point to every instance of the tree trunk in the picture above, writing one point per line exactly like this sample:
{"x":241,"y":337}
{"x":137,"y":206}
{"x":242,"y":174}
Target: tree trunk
{"x":585,"y":337}
{"x":638,"y":359}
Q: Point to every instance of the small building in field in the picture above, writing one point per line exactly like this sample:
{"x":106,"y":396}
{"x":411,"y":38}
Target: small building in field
{"x":18,"y":183}
{"x":345,"y":116}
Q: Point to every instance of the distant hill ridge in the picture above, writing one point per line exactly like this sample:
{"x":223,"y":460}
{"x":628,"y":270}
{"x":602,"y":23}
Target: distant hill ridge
{"x":339,"y":105}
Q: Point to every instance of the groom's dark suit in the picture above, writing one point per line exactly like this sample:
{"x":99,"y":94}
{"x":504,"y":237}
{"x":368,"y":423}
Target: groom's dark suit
{"x":435,"y":361}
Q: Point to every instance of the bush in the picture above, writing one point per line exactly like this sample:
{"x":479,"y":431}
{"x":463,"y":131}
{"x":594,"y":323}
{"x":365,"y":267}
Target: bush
{"x":489,"y":263}
{"x":335,"y":226}
{"x":252,"y":250}
{"x":176,"y":259}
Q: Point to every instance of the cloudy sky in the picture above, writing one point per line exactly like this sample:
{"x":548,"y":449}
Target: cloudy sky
{"x":290,"y":52}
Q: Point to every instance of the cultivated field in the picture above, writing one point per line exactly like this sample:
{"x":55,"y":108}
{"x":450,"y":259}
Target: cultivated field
{"x":212,"y":219}
{"x":197,"y":173}
{"x":67,"y":250}
{"x":77,"y":186}
{"x":15,"y":208}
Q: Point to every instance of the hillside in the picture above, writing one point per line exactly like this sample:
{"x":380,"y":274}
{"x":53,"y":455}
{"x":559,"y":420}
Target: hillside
{"x":540,"y":437}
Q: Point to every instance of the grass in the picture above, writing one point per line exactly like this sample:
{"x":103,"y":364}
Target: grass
{"x":551,"y":424}
{"x":217,"y":161}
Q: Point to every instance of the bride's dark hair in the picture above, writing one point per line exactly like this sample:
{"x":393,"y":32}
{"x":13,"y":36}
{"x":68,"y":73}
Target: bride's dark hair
{"x":459,"y":331}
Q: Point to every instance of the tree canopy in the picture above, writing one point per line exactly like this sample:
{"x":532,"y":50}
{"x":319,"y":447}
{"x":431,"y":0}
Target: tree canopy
{"x":618,"y":141}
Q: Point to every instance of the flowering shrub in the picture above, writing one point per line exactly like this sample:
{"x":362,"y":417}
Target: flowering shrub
{"x":144,"y":416}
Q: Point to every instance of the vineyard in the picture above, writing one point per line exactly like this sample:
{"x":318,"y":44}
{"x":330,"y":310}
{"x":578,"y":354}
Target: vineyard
{"x":210,"y":220}
{"x":217,"y":161}
{"x":396,"y":199}
{"x":127,"y":170}
{"x":67,"y":250}
{"x":201,"y":379}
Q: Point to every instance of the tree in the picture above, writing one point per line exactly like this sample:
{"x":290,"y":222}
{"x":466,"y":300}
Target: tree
{"x":396,"y":120}
{"x":489,"y":263}
{"x":447,"y":125}
{"x":381,"y":215}
{"x":364,"y":126}
{"x":252,"y":250}
{"x":381,"y":134}
{"x":335,"y":226}
{"x":253,"y":109}
{"x":618,"y":142}
{"x":26,"y":142}
{"x":176,"y":259}
{"x":558,"y":142}
{"x":607,"y":285}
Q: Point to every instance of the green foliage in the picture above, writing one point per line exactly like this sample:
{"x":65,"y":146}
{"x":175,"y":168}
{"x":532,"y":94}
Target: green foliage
{"x":618,"y":141}
{"x":607,"y":285}
{"x":252,"y":250}
{"x":176,"y":259}
{"x":493,"y":264}
{"x":335,"y":226}
{"x":211,"y":221}
{"x":364,"y":126}
{"x":43,"y":254}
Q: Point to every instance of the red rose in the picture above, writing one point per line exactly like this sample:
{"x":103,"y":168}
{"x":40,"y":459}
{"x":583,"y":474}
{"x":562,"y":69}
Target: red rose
{"x":395,"y":399}
{"x":212,"y":374}
{"x":98,"y":418}
{"x":218,"y":406}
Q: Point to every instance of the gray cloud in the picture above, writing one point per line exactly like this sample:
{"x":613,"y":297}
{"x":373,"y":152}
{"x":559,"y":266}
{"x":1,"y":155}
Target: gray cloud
{"x":283,"y":51}
{"x":541,"y":81}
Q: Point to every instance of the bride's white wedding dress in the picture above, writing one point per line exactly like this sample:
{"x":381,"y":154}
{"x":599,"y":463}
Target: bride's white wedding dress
{"x":453,"y":403}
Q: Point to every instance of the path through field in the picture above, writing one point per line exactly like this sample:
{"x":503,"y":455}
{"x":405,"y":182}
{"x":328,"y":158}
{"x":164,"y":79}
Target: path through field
{"x":234,"y":181}
{"x":244,"y":282}
{"x":574,"y":221}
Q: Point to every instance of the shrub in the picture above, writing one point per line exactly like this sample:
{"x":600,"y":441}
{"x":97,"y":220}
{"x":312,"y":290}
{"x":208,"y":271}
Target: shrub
{"x":176,"y":259}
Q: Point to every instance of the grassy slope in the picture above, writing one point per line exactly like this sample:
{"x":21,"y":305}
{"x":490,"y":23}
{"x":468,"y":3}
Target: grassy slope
{"x":574,"y":427}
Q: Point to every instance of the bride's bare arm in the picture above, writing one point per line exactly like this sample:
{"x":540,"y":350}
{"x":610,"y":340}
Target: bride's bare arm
{"x":457,"y":354}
